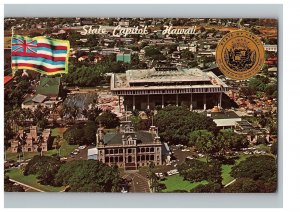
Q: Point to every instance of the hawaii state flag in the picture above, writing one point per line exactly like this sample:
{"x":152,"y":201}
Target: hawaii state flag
{"x":47,"y":56}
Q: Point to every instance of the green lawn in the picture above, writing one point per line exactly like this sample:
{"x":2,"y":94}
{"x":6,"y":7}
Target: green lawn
{"x":65,"y":148}
{"x":16,"y":174}
{"x":176,"y":182}
{"x":14,"y":156}
{"x":263,"y":147}
{"x":226,"y":169}
{"x":58,"y":131}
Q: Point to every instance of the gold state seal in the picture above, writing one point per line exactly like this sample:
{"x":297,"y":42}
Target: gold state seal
{"x":240,"y":55}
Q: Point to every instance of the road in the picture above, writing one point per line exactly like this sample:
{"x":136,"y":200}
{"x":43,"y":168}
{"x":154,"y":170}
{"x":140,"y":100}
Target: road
{"x":138,"y":182}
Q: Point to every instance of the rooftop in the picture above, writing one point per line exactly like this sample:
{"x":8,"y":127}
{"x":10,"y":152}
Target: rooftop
{"x":142,"y":137}
{"x":49,"y":86}
{"x":7,"y":79}
{"x":166,"y":77}
{"x":224,"y":115}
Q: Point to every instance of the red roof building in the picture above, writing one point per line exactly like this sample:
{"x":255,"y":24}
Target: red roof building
{"x":7,"y":79}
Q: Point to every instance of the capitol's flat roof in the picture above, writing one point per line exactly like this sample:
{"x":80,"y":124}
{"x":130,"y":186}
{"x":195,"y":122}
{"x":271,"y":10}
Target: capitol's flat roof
{"x":142,"y":77}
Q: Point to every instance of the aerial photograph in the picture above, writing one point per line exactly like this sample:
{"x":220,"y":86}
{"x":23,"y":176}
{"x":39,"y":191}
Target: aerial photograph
{"x":152,"y":105}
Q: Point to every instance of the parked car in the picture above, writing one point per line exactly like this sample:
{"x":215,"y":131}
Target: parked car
{"x":82,"y":147}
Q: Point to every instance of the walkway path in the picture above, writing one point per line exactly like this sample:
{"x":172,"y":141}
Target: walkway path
{"x":229,"y":183}
{"x":27,"y":186}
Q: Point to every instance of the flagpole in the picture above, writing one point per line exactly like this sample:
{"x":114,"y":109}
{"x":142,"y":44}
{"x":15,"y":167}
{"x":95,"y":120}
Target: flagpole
{"x":12,"y":35}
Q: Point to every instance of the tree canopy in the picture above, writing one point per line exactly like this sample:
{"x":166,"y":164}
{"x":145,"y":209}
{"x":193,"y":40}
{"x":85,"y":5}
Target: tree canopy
{"x":216,"y":145}
{"x":207,"y":188}
{"x":176,"y":123}
{"x":81,"y":133}
{"x":11,"y":187}
{"x":248,"y":185}
{"x":262,"y":167}
{"x":108,"y":119}
{"x":196,"y":171}
{"x":89,"y":176}
{"x":45,"y":167}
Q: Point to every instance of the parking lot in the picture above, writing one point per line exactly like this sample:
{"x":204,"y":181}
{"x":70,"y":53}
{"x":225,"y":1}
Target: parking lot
{"x":179,"y":156}
{"x":81,"y":154}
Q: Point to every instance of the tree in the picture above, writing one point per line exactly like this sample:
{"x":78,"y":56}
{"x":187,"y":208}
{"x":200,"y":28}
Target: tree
{"x":271,"y":90}
{"x":151,"y":51}
{"x":274,"y":148}
{"x":90,"y":130}
{"x":186,"y":54}
{"x":57,"y":143}
{"x":204,"y":142}
{"x":238,"y":141}
{"x":45,"y":167}
{"x":176,"y":123}
{"x":194,"y":170}
{"x":89,"y":176}
{"x":248,"y":185}
{"x":108,"y":119}
{"x":11,"y":187}
{"x":74,"y":135}
{"x":261,"y":167}
{"x":42,"y":123}
{"x":207,"y":188}
{"x":154,"y":184}
{"x":139,"y":123}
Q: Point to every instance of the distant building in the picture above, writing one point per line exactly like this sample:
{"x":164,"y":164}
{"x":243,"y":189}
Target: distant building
{"x":124,"y":23}
{"x":30,"y":140}
{"x":7,"y":79}
{"x":253,"y":134}
{"x":270,"y":48}
{"x":124,"y":57}
{"x":128,"y":148}
{"x":148,"y":88}
{"x":47,"y":94}
{"x":190,"y":47}
{"x":224,"y":120}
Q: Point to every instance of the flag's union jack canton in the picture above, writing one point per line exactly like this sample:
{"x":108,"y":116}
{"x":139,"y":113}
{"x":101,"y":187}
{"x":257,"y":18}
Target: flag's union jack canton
{"x":48,"y":56}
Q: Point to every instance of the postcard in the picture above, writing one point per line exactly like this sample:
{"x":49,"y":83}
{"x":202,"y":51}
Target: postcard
{"x":157,"y":105}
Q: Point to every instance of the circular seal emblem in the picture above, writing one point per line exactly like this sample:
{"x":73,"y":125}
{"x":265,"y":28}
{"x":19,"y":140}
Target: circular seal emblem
{"x":240,"y":55}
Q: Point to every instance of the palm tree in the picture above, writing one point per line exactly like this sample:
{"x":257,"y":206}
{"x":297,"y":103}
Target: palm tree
{"x":23,"y":142}
{"x":152,"y":177}
{"x":19,"y":148}
{"x":40,"y":141}
{"x":58,"y":144}
{"x":204,"y":143}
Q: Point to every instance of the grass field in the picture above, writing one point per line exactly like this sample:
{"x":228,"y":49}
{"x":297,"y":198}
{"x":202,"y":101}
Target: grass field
{"x":226,"y":169}
{"x":65,"y":148}
{"x":16,"y":174}
{"x":176,"y":182}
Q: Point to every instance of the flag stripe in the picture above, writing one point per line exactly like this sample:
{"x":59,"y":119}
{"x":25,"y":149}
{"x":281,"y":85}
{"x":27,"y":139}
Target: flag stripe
{"x":46,"y":45}
{"x":51,"y":53}
{"x":37,"y":62}
{"x":39,"y":67}
{"x":53,"y":42}
{"x":49,"y":57}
